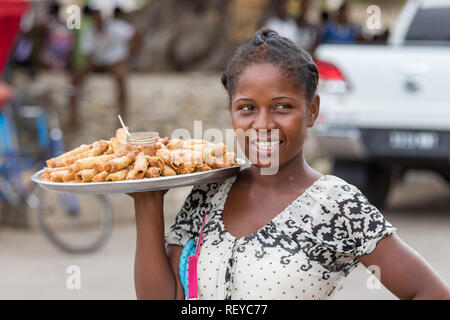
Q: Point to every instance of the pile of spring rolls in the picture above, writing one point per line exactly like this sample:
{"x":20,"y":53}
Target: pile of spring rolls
{"x":115,"y":160}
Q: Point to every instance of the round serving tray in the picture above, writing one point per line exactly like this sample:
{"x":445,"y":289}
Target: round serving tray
{"x":147,"y":184}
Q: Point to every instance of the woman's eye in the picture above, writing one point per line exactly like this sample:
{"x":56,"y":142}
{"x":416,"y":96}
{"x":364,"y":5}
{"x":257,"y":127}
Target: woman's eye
{"x":246,"y":107}
{"x":283,"y":107}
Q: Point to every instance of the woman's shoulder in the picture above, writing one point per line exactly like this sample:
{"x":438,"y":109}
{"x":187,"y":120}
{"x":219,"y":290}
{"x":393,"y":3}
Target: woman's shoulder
{"x":206,"y":191}
{"x":333,"y":196}
{"x":338,"y":215}
{"x":189,"y":218}
{"x":332,"y":187}
{"x":202,"y":194}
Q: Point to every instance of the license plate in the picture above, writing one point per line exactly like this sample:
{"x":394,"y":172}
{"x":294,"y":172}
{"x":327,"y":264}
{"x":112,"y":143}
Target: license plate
{"x":413,"y":140}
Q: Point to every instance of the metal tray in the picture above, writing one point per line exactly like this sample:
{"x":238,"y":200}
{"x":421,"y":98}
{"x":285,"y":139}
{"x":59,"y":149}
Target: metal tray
{"x":147,"y":184}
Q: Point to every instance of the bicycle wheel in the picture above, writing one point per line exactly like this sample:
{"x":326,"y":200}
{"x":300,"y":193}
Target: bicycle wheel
{"x":75,"y":224}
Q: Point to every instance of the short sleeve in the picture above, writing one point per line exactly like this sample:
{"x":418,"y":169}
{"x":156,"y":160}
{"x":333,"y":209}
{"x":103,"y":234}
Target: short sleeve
{"x":189,"y":219}
{"x":354,"y":226}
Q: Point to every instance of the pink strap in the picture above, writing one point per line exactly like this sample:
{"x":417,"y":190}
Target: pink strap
{"x":192,"y":264}
{"x":197,"y":253}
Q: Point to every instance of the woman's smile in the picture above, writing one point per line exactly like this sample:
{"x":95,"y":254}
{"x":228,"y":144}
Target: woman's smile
{"x":266,"y":148}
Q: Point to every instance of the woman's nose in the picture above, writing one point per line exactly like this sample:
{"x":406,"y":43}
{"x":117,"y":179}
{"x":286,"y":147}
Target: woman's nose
{"x":264,"y":120}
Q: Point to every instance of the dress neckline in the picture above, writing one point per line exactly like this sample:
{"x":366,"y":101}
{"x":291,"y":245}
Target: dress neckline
{"x":225,"y":190}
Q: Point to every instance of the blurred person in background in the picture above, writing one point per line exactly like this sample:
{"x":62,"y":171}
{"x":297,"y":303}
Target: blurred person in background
{"x":282,"y":23}
{"x":28,"y":45}
{"x":59,"y":42}
{"x":308,"y":33}
{"x":108,"y":46}
{"x":339,"y":29}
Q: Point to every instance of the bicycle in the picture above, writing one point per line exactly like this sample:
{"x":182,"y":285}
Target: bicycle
{"x":59,"y":215}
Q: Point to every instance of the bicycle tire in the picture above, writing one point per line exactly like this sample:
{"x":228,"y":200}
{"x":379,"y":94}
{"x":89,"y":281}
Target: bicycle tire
{"x":105,"y":230}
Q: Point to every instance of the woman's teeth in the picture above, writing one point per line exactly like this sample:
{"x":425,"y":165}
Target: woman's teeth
{"x":266,"y":145}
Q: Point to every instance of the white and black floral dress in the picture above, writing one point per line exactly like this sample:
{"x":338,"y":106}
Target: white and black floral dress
{"x":302,"y":253}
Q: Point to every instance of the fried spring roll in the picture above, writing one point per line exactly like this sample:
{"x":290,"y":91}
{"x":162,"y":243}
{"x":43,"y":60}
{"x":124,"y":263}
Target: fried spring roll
{"x":226,"y":160}
{"x":141,"y":164}
{"x":196,"y":147}
{"x":181,"y":161}
{"x":220,"y":150}
{"x":221,"y":164}
{"x":100,"y":177}
{"x":196,"y":141}
{"x":202,"y":167}
{"x":192,"y":156}
{"x":46,"y":175}
{"x":100,"y":162}
{"x":101,"y":145}
{"x":110,"y":149}
{"x":168,"y":171}
{"x":118,"y":175}
{"x":230,"y":158}
{"x":208,"y":156}
{"x":156,"y":161}
{"x":165,"y":154}
{"x":139,"y":167}
{"x":121,"y":162}
{"x":89,"y":163}
{"x":153,"y":172}
{"x":175,"y":144}
{"x":121,"y":151}
{"x":115,"y":144}
{"x":130,"y":174}
{"x":122,"y":136}
{"x":69,"y":176}
{"x":97,"y":149}
{"x":55,"y":162}
{"x":57,"y":176}
{"x":85,"y":175}
{"x":185,"y":168}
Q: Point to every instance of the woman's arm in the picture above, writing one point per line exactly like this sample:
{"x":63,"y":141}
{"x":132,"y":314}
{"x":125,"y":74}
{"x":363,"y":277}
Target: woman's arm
{"x":154,"y":273}
{"x":404,"y":272}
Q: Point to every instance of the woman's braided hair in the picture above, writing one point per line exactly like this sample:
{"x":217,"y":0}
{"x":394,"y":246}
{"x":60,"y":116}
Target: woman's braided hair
{"x":268,"y":46}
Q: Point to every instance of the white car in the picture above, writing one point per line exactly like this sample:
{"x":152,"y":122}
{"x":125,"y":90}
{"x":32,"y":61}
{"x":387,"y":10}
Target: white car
{"x":386,"y":108}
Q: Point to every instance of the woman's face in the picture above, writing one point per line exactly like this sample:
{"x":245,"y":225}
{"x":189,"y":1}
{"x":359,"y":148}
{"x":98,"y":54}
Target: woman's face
{"x":266,"y":99}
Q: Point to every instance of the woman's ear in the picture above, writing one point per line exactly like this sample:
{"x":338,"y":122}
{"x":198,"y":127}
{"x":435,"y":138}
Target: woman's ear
{"x":314,"y":110}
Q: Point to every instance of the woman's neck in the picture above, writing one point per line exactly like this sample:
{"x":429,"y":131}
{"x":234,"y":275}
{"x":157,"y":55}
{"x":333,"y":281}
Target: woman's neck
{"x":294,"y":173}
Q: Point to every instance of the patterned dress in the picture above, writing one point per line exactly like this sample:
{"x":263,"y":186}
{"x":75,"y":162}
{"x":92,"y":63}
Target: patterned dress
{"x":302,"y":253}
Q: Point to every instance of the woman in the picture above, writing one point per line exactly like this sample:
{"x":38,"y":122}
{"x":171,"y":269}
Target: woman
{"x":292,"y":235}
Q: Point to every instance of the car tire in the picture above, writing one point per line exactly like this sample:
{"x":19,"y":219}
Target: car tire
{"x":372,"y":179}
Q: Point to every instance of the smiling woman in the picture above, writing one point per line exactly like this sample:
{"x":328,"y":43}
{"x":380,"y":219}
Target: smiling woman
{"x":291,"y":235}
